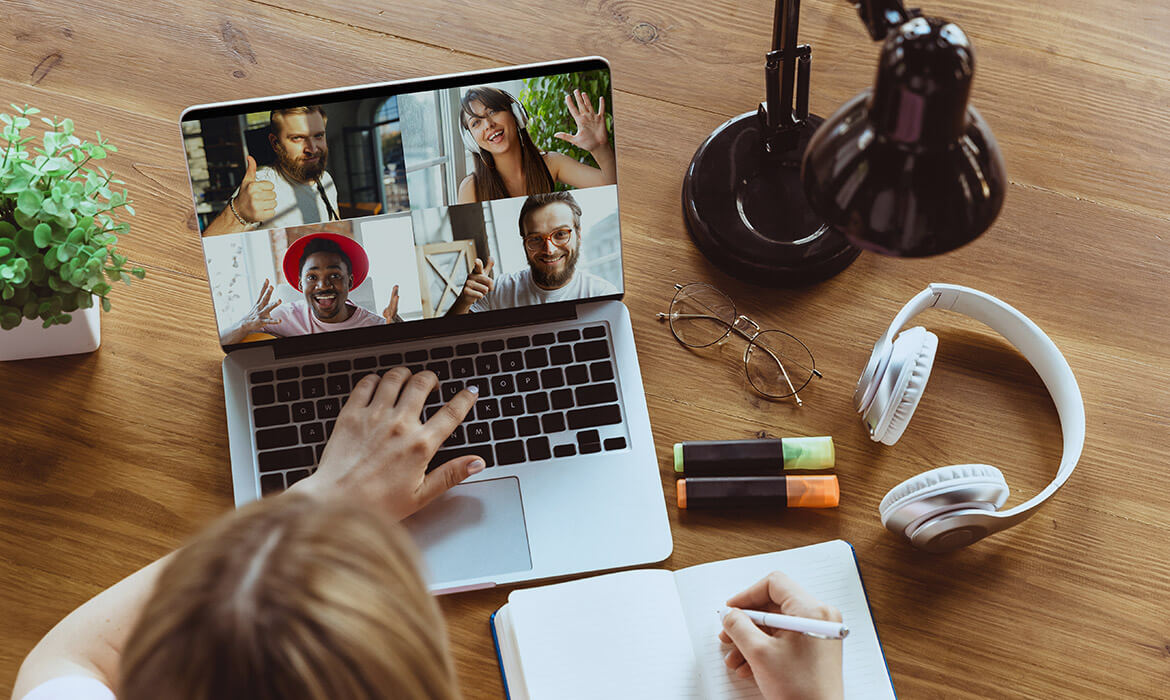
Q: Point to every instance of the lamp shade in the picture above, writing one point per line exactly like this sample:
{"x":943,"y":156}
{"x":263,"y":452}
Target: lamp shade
{"x":909,"y":169}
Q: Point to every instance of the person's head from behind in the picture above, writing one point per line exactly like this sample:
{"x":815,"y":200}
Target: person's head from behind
{"x":487,"y":115}
{"x":326,"y":276}
{"x":297,"y":135}
{"x":291,"y":598}
{"x":550,"y":225}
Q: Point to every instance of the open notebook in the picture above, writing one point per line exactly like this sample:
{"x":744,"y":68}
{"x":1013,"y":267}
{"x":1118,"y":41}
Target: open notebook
{"x":652,"y":633}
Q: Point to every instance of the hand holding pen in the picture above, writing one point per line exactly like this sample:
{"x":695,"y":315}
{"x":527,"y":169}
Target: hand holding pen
{"x":783,"y":663}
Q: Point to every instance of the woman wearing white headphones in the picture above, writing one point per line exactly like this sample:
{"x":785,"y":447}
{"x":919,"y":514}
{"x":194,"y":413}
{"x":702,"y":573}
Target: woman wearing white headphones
{"x":507,"y":162}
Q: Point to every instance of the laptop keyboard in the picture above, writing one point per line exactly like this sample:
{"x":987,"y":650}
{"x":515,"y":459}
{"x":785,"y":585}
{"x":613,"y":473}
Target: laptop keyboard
{"x":542,"y":396}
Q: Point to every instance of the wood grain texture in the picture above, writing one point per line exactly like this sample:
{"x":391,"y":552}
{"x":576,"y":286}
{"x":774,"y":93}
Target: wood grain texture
{"x":108,"y":461}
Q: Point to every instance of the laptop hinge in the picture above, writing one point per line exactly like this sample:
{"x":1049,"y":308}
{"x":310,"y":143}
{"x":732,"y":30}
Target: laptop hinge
{"x":418,"y":330}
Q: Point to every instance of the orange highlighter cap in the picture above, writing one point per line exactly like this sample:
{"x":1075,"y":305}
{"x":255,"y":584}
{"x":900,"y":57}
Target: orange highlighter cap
{"x":820,"y":491}
{"x":681,"y":486}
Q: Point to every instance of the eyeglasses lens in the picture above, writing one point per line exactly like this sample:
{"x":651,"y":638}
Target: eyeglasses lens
{"x":701,"y":315}
{"x":778,"y":364}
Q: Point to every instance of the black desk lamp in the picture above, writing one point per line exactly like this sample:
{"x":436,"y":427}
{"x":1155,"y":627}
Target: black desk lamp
{"x":780,"y":197}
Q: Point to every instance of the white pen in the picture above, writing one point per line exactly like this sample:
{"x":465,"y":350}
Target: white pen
{"x":805,"y":625}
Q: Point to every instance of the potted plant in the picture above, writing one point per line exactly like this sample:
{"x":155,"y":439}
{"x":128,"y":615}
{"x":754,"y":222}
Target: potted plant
{"x":58,"y":234}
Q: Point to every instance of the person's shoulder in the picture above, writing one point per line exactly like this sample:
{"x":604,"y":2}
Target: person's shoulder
{"x":553,"y":160}
{"x":596,"y":285}
{"x":75,"y":687}
{"x":467,"y":191}
{"x":364,"y":317}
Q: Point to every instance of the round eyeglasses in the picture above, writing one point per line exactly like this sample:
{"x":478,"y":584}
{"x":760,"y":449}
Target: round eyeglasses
{"x":778,"y":365}
{"x":538,"y":241}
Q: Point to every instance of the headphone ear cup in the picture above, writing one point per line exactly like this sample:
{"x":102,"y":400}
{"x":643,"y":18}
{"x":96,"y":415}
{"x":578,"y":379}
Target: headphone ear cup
{"x":468,"y":140}
{"x":520,"y":113}
{"x":911,"y":360}
{"x":940,"y":490}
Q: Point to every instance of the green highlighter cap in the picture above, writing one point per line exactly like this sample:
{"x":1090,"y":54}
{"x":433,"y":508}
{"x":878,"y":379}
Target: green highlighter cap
{"x":800,"y":453}
{"x":678,"y":458}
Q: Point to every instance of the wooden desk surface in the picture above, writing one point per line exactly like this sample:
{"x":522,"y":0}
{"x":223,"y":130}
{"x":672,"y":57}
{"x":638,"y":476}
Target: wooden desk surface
{"x":108,"y":461}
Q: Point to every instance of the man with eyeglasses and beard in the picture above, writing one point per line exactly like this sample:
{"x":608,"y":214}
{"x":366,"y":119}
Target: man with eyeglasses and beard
{"x":295,"y":190}
{"x":550,"y":225}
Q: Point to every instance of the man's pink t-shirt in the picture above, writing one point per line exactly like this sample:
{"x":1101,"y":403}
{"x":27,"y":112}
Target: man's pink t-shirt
{"x":298,"y":319}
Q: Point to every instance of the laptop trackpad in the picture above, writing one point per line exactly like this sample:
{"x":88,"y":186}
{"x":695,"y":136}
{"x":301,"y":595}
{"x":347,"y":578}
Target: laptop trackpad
{"x":473,"y":530}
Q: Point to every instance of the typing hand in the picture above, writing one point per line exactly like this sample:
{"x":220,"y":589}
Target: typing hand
{"x":256,"y":201}
{"x":591,"y":133}
{"x":477,"y":285}
{"x":380,"y":447}
{"x":784,"y":664}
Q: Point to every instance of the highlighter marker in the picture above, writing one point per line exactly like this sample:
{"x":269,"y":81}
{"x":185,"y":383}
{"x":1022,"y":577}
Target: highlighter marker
{"x":813,"y":491}
{"x":753,"y":457}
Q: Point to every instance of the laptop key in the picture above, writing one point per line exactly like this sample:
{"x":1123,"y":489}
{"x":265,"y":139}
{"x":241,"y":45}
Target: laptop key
{"x":551,"y":378}
{"x":511,"y":452}
{"x":518,"y":342}
{"x":456,"y":438}
{"x":430,"y":411}
{"x":487,"y":409}
{"x":485,"y":386}
{"x":577,"y":374}
{"x":328,"y":408}
{"x":441,"y":369}
{"x":593,"y":417}
{"x":276,"y":437}
{"x":512,"y":405}
{"x":365,"y":363}
{"x":536,"y":403}
{"x":587,"y":436}
{"x":288,"y":372}
{"x":337,"y":384}
{"x":492,"y":345}
{"x":594,"y":332}
{"x":589,"y":448}
{"x":318,"y":450}
{"x":312,"y":388}
{"x":442,"y":353}
{"x":592,"y":350}
{"x":339,"y":366}
{"x":449,"y":389}
{"x":502,"y":384}
{"x":615,"y":443}
{"x":271,"y":483}
{"x":601,"y":371}
{"x":433,"y":398}
{"x":527,"y":381}
{"x":466,"y":349}
{"x":313,"y":370}
{"x":329,"y":428}
{"x":568,"y":335}
{"x":478,"y":432}
{"x":560,"y":354}
{"x":303,"y":411}
{"x":261,"y":376}
{"x":596,"y":393}
{"x":544,"y":339}
{"x":390,"y":360}
{"x":535,"y":358}
{"x":564,"y":450}
{"x":487,"y":364}
{"x":511,"y":362}
{"x":561,"y":399}
{"x":416,"y":356}
{"x":538,"y":448}
{"x":286,"y":459}
{"x":503,"y":429}
{"x":272,"y":415}
{"x":263,"y":394}
{"x":462,"y":368}
{"x":443,"y":456}
{"x":312,"y":432}
{"x":296,"y":475}
{"x":552,"y":422}
{"x":527,"y":426}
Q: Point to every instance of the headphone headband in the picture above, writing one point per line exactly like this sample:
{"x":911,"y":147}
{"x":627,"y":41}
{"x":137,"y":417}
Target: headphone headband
{"x":1034,"y":345}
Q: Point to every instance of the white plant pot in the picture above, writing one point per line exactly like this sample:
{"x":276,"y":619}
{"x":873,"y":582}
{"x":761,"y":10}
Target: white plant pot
{"x":29,"y":339}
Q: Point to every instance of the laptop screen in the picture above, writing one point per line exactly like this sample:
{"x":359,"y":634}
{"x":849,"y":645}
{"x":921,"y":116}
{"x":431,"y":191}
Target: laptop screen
{"x":400,"y":203}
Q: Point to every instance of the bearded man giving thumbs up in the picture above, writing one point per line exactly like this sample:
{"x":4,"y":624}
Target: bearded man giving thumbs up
{"x":295,"y":190}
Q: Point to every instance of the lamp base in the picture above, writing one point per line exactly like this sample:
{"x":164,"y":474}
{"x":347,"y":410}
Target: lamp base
{"x":745,"y":209}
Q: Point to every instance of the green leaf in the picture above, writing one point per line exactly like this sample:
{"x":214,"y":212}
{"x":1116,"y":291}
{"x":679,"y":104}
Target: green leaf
{"x":8,"y":292}
{"x":50,"y":207}
{"x":42,"y":235}
{"x":130,"y":210}
{"x":29,"y":202}
{"x":101,"y":289}
{"x":4,"y":250}
{"x":105,"y":304}
{"x":30,"y":310}
{"x":139,"y":273}
{"x":76,"y":236}
{"x":9,"y":320}
{"x":25,"y":244}
{"x":65,"y":253}
{"x":52,"y":262}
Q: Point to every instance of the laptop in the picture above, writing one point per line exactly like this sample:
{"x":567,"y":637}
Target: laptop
{"x":350,"y":231}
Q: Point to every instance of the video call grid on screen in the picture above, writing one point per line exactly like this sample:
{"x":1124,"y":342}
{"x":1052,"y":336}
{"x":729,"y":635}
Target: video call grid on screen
{"x":388,"y":172}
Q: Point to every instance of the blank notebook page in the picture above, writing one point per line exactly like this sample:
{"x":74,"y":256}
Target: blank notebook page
{"x":828,"y":571}
{"x":625,"y":637}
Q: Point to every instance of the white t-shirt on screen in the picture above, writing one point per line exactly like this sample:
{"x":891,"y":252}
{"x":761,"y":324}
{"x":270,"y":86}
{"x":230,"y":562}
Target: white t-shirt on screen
{"x":518,"y":289}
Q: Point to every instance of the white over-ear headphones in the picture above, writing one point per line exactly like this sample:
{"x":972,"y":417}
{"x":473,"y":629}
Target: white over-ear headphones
{"x":950,"y":507}
{"x":518,"y":111}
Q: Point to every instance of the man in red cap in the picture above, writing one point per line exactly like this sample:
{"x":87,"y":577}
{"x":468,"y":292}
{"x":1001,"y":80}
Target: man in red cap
{"x":325,"y":267}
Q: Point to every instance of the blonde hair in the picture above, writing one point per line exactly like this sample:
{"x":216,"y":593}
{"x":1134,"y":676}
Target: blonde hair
{"x":291,"y":598}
